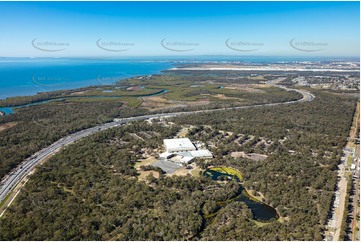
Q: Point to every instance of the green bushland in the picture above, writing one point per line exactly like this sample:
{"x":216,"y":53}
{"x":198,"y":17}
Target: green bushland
{"x":89,"y":190}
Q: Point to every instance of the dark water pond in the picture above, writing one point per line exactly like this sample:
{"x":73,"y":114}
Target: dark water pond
{"x":261,"y":211}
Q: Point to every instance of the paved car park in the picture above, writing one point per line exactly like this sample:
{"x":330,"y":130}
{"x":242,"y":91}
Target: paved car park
{"x":167,"y":166}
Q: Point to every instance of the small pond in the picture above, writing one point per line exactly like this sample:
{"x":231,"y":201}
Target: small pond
{"x":261,"y":211}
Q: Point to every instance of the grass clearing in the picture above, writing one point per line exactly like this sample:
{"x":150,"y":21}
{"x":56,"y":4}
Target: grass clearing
{"x":183,"y":133}
{"x":180,"y":172}
{"x":145,"y":162}
{"x":143,"y":174}
{"x":262,"y":224}
{"x":349,"y":160}
{"x":256,"y":197}
{"x":259,"y":224}
{"x":4,"y":201}
{"x":196,"y":172}
{"x":227,"y":171}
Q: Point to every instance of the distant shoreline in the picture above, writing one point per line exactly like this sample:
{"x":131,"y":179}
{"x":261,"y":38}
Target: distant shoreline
{"x":28,"y":78}
{"x":258,"y":68}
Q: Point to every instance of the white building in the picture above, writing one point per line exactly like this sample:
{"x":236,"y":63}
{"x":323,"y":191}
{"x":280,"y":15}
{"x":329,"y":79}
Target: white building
{"x":182,"y":151}
{"x":177,"y":145}
{"x":201,"y":153}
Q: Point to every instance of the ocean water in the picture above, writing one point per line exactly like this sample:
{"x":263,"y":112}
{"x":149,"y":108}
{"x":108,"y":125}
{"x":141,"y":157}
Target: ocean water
{"x":28,"y":76}
{"x":25,"y":76}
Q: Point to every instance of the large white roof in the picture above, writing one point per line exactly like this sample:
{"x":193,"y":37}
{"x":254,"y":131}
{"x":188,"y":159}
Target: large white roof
{"x":201,"y":153}
{"x":178,"y":144}
{"x":187,"y":159}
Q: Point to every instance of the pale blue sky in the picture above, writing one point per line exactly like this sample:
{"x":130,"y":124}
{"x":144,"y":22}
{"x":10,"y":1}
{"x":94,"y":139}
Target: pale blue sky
{"x":204,"y":27}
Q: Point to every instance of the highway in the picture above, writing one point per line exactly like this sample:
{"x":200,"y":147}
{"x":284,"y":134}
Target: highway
{"x":9,"y":182}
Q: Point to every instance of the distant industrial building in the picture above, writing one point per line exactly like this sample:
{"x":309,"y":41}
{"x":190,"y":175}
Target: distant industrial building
{"x":182,"y":151}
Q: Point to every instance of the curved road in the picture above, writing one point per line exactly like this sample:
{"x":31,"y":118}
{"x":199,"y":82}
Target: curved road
{"x":22,"y":170}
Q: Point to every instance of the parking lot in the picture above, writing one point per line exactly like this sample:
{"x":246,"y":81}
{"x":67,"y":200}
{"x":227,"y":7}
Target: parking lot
{"x":167,"y":166}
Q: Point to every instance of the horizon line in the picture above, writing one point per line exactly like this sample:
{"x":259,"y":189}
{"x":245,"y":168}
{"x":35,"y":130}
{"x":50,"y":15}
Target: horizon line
{"x":186,"y":56}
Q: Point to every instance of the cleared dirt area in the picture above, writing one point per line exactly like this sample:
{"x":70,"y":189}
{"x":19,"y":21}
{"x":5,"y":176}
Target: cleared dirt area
{"x":246,"y":88}
{"x":157,"y":102}
{"x":136,"y":136}
{"x":223,"y":97}
{"x":257,"y":78}
{"x":251,"y":156}
{"x":7,"y":126}
{"x":183,"y":133}
{"x":200,"y":102}
{"x":181,"y":172}
{"x":143,"y":174}
{"x":134,"y":88}
{"x":257,"y":195}
{"x":78,"y":93}
{"x":145,"y":162}
{"x":196,"y":171}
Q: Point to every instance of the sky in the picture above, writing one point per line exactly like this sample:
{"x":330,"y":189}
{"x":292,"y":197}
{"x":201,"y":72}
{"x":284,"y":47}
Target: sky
{"x":117,"y":29}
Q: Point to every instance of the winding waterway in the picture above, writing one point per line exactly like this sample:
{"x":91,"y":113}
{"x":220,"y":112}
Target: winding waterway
{"x":261,"y":211}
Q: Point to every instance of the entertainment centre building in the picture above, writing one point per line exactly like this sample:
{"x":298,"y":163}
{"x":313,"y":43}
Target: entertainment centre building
{"x":182,"y":150}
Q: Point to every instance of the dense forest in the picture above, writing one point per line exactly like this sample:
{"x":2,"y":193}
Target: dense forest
{"x":37,"y":127}
{"x":90,"y":190}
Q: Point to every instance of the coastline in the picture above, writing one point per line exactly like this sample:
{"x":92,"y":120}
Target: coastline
{"x":256,"y":68}
{"x":36,"y":76}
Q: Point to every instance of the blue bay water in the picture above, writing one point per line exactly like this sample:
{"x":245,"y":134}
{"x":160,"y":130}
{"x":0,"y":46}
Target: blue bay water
{"x":21,"y":77}
{"x":28,"y":76}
